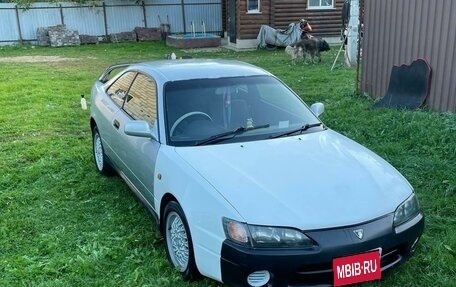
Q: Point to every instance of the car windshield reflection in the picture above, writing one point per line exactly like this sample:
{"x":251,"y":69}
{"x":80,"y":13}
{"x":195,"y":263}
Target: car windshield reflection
{"x":197,"y":110}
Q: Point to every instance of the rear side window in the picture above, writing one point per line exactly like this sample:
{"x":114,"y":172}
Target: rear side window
{"x":141,"y":103}
{"x":119,"y":89}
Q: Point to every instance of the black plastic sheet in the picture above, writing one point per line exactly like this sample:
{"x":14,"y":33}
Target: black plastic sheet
{"x":408,"y":86}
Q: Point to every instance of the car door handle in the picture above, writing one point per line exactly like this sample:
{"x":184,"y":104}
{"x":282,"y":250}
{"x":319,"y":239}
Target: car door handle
{"x":116,"y":124}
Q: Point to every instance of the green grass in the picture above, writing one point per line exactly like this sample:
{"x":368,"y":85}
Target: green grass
{"x":61,"y":224}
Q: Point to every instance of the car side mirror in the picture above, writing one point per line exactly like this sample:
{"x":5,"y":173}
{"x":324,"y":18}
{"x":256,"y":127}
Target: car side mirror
{"x":141,"y":129}
{"x":318,"y":108}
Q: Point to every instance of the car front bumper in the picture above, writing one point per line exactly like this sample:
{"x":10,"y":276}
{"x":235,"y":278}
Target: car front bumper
{"x":313,"y":266}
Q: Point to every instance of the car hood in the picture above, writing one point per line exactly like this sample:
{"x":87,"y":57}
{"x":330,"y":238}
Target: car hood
{"x":311,"y":181}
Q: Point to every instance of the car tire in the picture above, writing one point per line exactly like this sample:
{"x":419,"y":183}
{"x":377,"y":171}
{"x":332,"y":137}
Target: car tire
{"x":99,"y":156}
{"x":178,"y":241}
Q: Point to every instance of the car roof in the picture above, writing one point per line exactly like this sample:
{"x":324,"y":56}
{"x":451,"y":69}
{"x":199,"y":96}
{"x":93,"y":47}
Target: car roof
{"x":187,"y":69}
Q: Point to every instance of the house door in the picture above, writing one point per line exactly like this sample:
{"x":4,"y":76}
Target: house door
{"x":232,"y":20}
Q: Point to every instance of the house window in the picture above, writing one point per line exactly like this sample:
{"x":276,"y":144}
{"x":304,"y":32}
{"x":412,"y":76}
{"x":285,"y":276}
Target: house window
{"x":321,"y":4}
{"x":253,"y":6}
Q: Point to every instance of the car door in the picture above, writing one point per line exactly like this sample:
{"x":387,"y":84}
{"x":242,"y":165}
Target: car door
{"x":137,"y":154}
{"x":108,"y":106}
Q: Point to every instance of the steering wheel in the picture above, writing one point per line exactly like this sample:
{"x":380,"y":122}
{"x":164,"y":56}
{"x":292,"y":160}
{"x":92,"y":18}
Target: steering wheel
{"x":184,"y":117}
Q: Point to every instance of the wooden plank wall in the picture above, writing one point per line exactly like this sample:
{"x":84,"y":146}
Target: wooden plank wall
{"x":248,"y":25}
{"x":324,"y":22}
{"x":280,"y":13}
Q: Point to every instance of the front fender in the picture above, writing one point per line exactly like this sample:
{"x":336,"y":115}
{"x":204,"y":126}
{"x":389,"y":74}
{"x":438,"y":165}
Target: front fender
{"x":202,"y":204}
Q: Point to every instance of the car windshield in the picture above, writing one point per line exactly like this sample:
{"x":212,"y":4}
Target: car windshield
{"x":234,"y":109}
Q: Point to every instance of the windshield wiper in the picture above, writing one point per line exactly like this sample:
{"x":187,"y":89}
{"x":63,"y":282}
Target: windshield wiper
{"x":224,"y":136}
{"x":300,"y":130}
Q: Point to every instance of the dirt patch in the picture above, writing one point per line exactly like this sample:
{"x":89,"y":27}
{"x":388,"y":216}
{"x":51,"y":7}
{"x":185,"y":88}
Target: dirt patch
{"x":35,"y":59}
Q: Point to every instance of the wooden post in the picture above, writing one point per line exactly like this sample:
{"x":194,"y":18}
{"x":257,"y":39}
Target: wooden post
{"x":18,"y":25}
{"x":352,"y":43}
{"x":358,"y":56}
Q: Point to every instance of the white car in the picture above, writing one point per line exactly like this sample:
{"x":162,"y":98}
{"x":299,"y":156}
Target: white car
{"x":248,"y":186}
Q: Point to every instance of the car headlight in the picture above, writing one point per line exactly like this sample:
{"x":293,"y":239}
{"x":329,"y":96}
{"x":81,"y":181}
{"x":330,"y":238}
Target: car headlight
{"x":406,"y":210}
{"x":264,"y":236}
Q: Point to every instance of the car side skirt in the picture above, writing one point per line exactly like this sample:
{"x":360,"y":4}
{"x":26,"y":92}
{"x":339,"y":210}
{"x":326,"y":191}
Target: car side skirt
{"x":140,"y":197}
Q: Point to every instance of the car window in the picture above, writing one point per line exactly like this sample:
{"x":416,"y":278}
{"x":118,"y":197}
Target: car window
{"x":141,"y":103}
{"x":268,"y":93}
{"x":118,"y":90}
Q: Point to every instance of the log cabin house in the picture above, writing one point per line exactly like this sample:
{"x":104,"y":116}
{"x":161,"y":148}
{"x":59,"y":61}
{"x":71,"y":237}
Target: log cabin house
{"x":243,"y":18}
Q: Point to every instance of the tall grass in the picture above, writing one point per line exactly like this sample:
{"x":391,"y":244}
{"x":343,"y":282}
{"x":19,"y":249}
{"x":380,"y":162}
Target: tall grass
{"x":61,"y":224}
